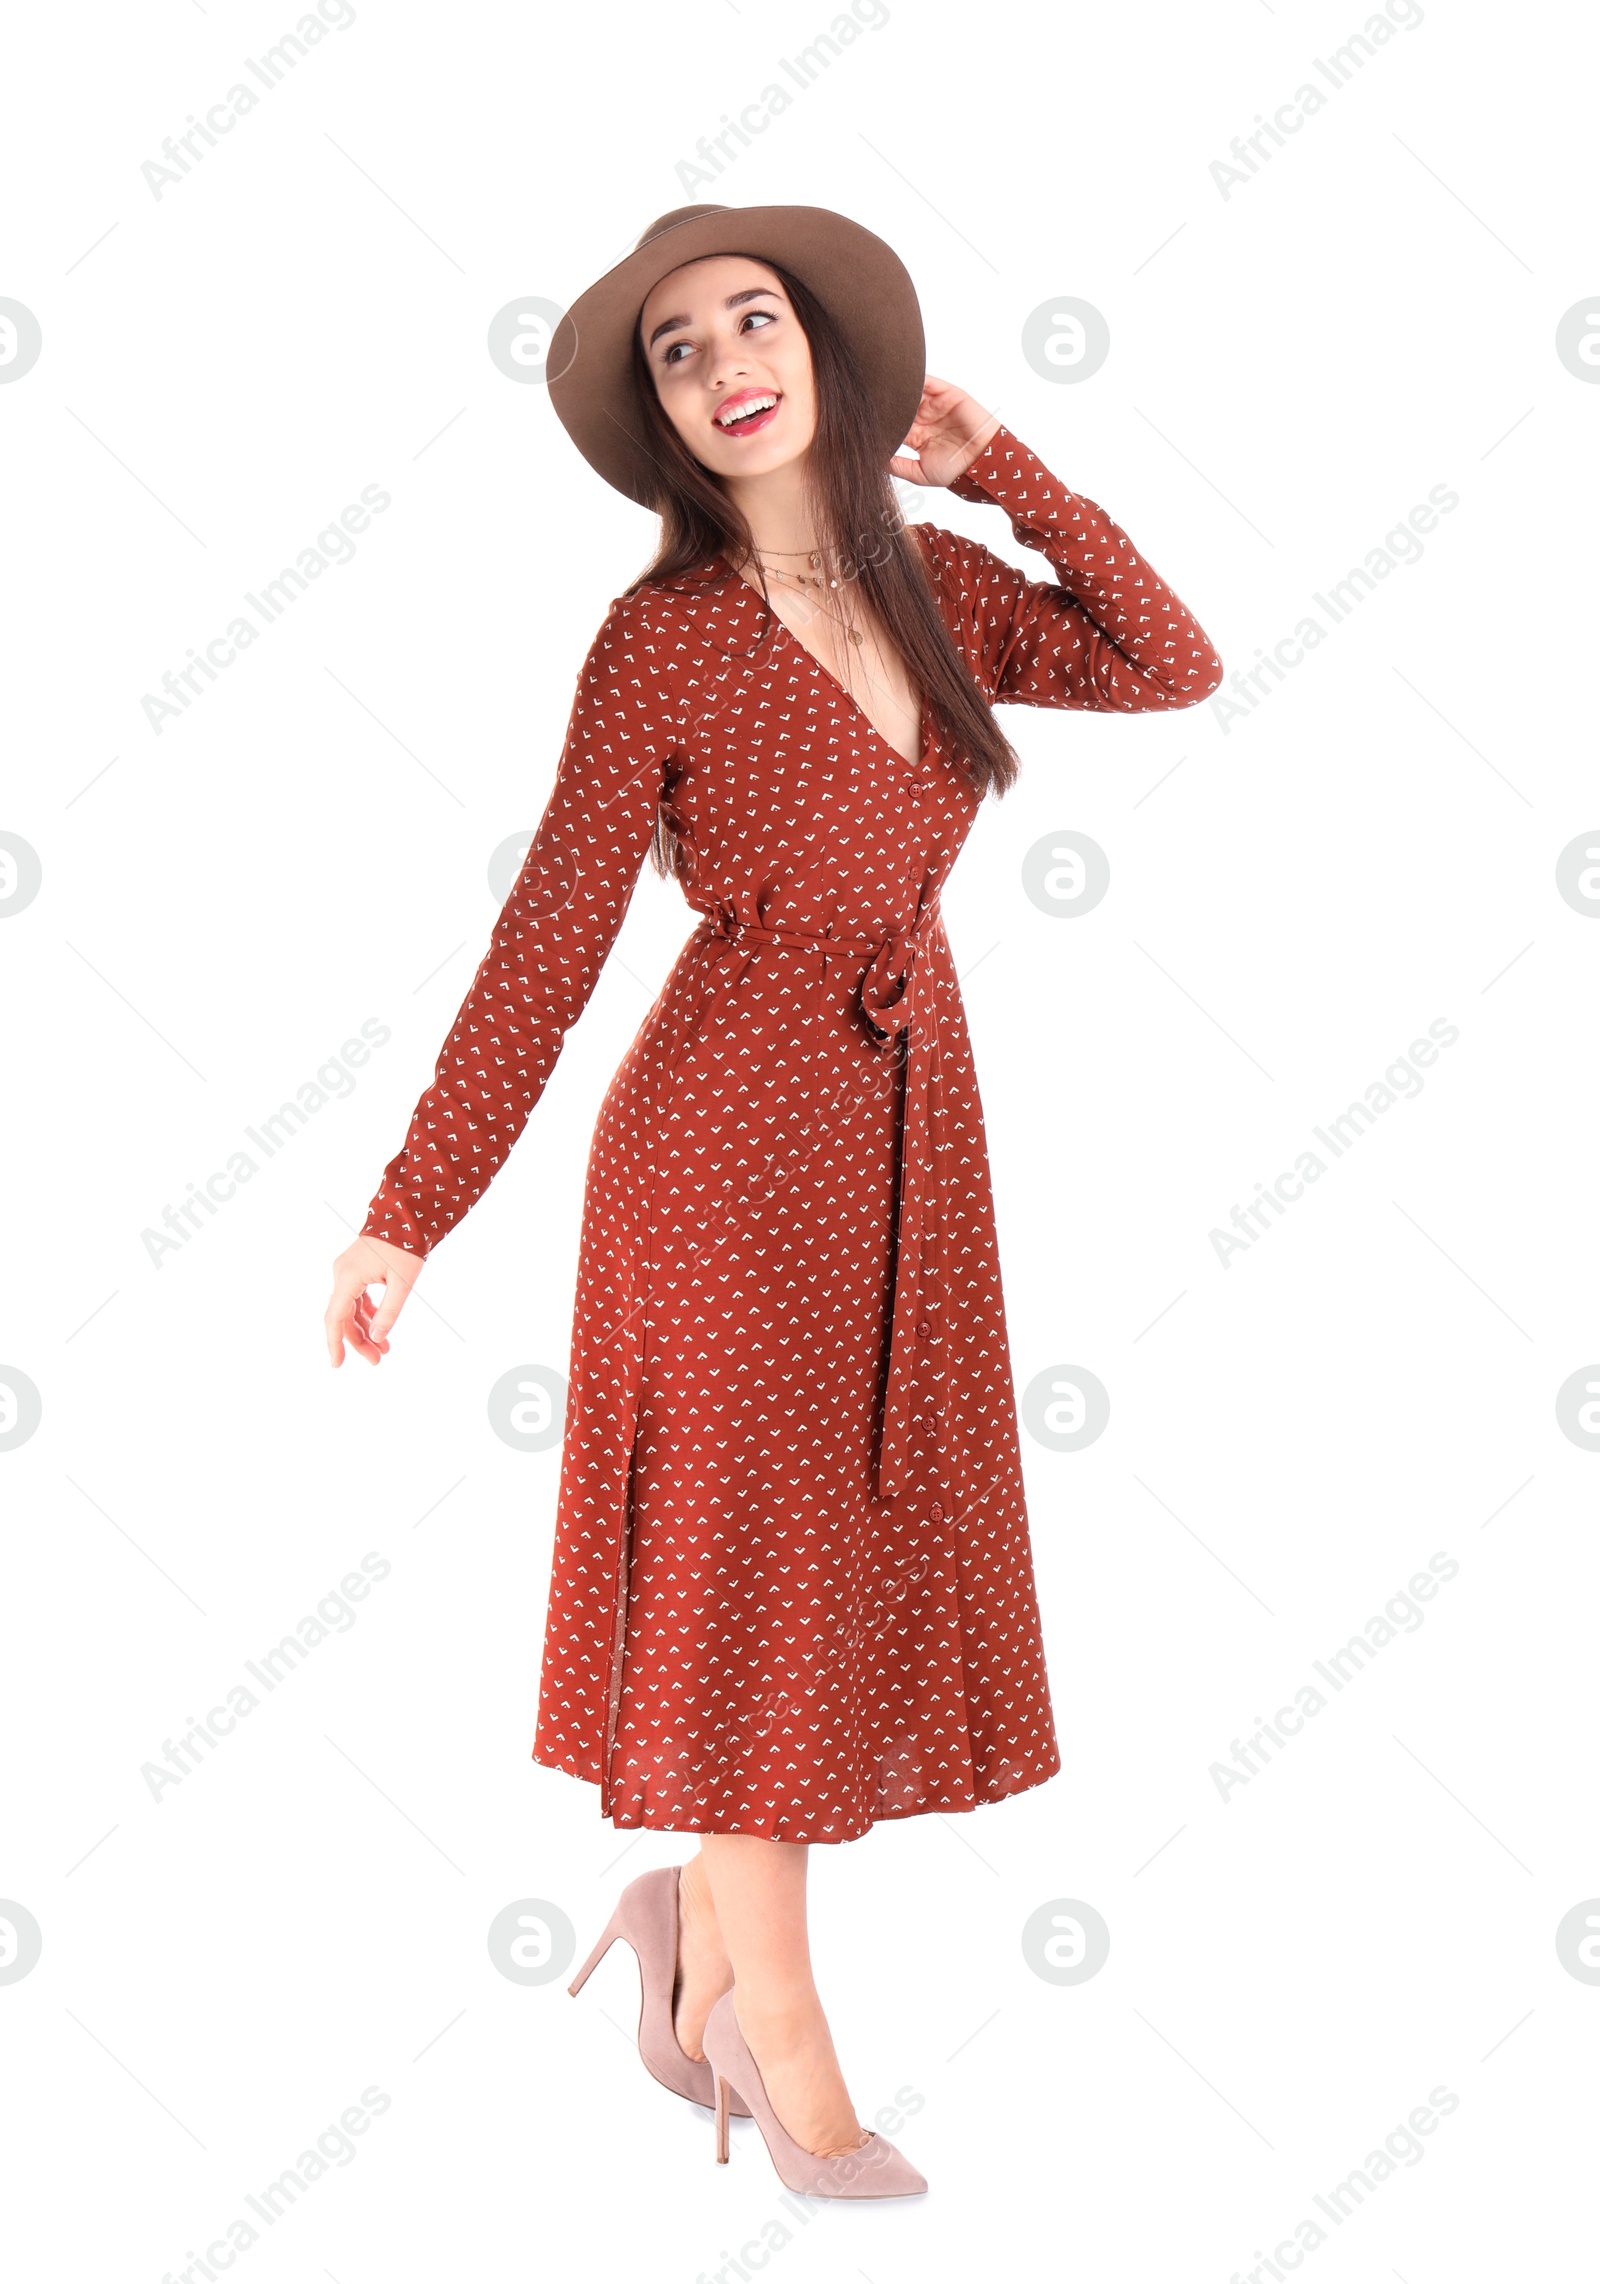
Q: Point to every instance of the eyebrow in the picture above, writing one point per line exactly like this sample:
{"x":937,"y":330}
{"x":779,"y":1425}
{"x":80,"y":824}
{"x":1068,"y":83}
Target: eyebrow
{"x":750,"y":293}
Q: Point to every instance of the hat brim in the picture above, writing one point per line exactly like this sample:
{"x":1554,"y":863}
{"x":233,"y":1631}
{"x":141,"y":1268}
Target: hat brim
{"x":863,"y":283}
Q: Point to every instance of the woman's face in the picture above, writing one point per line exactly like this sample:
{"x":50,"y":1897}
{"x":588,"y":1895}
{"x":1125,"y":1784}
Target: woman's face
{"x":721,"y":338}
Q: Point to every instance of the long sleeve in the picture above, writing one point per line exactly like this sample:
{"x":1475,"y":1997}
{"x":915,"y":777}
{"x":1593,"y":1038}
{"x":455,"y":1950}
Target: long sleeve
{"x":548,"y":944}
{"x":1111,"y":635}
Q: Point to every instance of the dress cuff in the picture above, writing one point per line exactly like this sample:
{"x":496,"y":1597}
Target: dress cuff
{"x":394,"y":1219}
{"x":985,"y":477}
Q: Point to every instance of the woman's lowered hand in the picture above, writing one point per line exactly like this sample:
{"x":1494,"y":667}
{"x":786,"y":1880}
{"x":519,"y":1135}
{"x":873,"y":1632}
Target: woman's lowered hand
{"x":350,"y":1314}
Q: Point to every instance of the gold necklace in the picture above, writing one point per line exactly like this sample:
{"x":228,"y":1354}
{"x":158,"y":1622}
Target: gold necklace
{"x":813,"y":578}
{"x":815,"y":581}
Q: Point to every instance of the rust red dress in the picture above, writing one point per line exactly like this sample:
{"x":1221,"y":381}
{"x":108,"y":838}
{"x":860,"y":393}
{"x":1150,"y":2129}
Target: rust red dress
{"x":792,"y":1590}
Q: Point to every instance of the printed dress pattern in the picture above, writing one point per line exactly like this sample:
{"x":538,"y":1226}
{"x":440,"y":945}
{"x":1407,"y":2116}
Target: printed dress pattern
{"x":792,"y":1589}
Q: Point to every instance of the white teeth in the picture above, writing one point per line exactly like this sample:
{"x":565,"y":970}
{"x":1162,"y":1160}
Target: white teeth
{"x":744,"y":411}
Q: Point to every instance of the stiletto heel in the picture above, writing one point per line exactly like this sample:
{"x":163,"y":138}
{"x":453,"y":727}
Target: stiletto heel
{"x":876,"y":2169}
{"x":722,"y":2119}
{"x":646,"y":1918}
{"x":612,"y":1931}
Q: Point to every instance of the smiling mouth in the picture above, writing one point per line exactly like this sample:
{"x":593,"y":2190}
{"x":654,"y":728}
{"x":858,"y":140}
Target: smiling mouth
{"x":748,"y":413}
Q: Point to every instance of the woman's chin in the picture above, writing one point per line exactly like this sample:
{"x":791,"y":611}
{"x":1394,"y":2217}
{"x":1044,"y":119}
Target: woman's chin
{"x":762,"y":456}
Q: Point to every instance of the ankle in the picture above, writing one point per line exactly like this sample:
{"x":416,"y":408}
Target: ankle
{"x":697,"y":1906}
{"x":781,"y":2012}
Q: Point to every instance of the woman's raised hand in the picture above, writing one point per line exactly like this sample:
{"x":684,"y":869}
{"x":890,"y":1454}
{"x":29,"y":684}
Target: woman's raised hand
{"x":949,"y":432}
{"x":350,"y":1313}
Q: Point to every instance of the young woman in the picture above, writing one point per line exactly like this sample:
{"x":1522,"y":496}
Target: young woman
{"x":792,"y":1591}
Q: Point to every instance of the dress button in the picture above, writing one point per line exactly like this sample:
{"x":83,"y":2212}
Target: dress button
{"x":936,"y":1512}
{"x":924,"y":1329}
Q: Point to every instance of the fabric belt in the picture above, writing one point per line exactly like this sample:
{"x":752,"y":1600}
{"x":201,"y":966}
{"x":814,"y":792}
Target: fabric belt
{"x":896,"y":1005}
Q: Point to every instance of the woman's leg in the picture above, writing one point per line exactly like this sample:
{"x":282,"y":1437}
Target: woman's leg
{"x":759,"y":1889}
{"x":704,"y":1970}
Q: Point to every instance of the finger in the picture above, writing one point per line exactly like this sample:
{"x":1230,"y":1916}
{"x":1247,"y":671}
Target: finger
{"x":909,"y":471}
{"x":339,"y":1321}
{"x":345,"y":1328}
{"x":363,"y":1316}
{"x":359,"y":1330}
{"x":395,"y":1290}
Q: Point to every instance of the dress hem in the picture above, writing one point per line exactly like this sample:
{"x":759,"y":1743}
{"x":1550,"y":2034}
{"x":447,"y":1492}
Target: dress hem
{"x":773,"y":1829}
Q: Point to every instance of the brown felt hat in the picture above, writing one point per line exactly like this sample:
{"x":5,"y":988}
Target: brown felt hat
{"x":864,"y":284}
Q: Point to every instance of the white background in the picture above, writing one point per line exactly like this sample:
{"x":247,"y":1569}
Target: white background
{"x":1292,"y":1970}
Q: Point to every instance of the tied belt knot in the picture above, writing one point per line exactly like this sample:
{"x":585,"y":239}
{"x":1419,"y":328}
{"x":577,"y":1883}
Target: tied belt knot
{"x":896,"y":1010}
{"x":887,"y":989}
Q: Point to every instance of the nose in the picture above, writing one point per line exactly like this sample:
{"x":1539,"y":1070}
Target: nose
{"x":727,"y":366}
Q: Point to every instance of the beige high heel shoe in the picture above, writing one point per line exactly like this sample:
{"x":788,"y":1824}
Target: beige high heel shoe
{"x":646,"y":1916}
{"x":876,"y":2169}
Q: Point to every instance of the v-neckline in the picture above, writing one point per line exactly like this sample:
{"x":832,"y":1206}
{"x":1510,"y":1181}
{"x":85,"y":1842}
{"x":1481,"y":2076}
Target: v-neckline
{"x":916,"y":760}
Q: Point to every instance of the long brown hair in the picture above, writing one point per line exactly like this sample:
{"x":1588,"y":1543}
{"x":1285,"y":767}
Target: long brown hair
{"x":856,"y":515}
